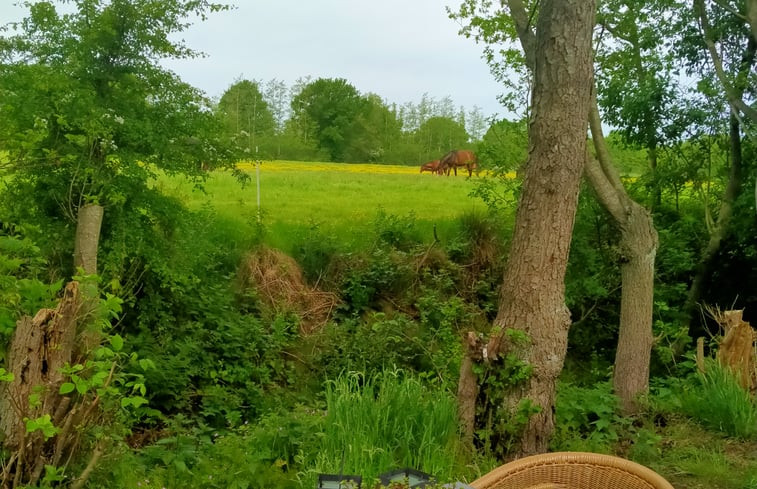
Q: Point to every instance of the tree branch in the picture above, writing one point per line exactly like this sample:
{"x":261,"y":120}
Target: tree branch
{"x":731,"y":92}
{"x":523,"y":28}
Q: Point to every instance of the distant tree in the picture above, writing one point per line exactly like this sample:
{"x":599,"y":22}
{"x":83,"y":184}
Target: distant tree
{"x":331,"y":107}
{"x":375,"y":132}
{"x":438,"y":135}
{"x":504,"y":145}
{"x":277,"y":97}
{"x":246,"y":114}
{"x":476,"y":123}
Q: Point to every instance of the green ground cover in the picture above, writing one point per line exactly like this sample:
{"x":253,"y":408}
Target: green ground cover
{"x":339,"y":201}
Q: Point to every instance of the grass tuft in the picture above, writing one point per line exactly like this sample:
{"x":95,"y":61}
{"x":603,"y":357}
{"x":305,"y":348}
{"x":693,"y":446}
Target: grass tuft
{"x":390,"y":420}
{"x":720,"y":403}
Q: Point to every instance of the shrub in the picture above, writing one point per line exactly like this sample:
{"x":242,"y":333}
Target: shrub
{"x":397,"y":232}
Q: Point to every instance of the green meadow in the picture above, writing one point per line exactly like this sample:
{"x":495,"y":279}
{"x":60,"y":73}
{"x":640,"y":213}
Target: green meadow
{"x":341,"y":200}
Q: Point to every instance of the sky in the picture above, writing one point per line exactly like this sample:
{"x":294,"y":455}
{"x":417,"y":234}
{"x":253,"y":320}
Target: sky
{"x":397,"y":49}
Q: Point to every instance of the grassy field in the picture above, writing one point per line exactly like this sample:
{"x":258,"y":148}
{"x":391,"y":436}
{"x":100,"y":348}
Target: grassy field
{"x":342,"y":200}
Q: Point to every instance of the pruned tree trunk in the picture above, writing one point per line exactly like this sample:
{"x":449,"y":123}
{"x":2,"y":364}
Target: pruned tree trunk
{"x":89,"y":221}
{"x":532,"y":298}
{"x":736,"y":350}
{"x":467,"y":387}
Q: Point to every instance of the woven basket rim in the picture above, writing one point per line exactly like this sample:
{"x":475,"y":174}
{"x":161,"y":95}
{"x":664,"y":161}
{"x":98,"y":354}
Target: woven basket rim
{"x":565,"y":460}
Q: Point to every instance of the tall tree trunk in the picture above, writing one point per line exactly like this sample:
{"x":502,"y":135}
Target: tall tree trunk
{"x":532,"y":299}
{"x":722,"y":225}
{"x":638,"y":244}
{"x":734,"y":89}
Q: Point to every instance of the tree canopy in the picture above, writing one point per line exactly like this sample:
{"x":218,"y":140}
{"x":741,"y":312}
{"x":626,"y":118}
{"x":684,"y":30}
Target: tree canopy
{"x":87,"y":106}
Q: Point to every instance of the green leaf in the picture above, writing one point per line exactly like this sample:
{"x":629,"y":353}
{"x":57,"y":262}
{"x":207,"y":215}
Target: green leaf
{"x":116,"y":342}
{"x":6,"y":376}
{"x":134,"y":401}
{"x":66,"y":388}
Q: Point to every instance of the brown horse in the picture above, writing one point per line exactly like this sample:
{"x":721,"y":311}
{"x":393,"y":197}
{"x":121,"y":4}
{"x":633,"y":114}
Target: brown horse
{"x":431,"y":166}
{"x":458,"y":157}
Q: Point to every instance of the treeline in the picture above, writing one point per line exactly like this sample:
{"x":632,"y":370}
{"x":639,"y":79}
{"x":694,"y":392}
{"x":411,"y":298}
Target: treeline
{"x":328,"y":119}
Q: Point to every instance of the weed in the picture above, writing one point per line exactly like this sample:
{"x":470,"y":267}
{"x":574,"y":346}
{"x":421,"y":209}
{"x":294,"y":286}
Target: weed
{"x":587,"y":418}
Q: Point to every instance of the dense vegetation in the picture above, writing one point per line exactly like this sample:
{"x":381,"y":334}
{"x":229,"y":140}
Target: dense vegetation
{"x":221,"y":345}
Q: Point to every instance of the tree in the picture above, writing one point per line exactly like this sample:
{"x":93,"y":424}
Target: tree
{"x":639,"y":238}
{"x":330,"y":106}
{"x":87,"y":116}
{"x":475,"y":123}
{"x":438,"y":135}
{"x":720,"y":49}
{"x":532,"y":298}
{"x":375,"y":132}
{"x":635,"y":77}
{"x":246,"y":114}
{"x":504,"y":145}
{"x":89,"y":112}
{"x":276,"y":96}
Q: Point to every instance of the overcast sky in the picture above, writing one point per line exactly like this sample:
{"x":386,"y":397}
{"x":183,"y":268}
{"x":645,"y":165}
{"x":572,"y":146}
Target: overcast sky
{"x":398,"y":49}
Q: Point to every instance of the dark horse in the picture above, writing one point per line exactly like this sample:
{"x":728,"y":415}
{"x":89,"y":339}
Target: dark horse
{"x":458,"y":157}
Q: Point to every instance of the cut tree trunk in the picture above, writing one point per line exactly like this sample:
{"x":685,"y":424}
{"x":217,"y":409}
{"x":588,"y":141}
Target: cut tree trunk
{"x":532,"y":298}
{"x":39,"y":349}
{"x":736,"y":349}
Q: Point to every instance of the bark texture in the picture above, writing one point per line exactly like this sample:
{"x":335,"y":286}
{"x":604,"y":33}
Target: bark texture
{"x":638,"y":244}
{"x":533,"y":293}
{"x":89,"y":221}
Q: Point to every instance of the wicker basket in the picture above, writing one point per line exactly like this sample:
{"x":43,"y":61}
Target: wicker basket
{"x":572,"y":470}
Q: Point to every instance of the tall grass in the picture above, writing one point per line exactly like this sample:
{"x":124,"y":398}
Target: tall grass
{"x":720,"y":403}
{"x":388,"y":421}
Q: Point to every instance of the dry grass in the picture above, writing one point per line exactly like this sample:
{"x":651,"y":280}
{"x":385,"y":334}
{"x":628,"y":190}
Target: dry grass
{"x":279,"y":283}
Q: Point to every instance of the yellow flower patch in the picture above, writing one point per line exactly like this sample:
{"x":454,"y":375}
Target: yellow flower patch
{"x":300,"y":166}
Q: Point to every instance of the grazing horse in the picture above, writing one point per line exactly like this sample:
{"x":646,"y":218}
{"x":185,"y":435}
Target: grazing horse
{"x":458,"y":157}
{"x":431,"y":166}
